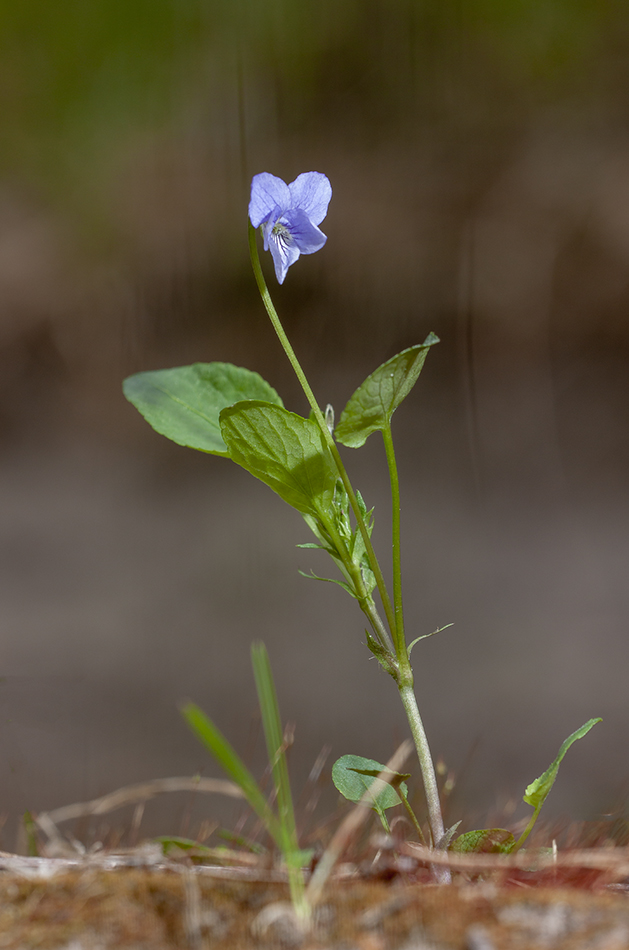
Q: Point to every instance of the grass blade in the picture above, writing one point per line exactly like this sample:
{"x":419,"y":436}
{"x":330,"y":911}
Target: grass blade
{"x":213,"y":739}
{"x":273,"y":733}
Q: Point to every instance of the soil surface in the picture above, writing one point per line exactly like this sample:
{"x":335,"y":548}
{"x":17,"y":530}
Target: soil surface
{"x":207,"y":909}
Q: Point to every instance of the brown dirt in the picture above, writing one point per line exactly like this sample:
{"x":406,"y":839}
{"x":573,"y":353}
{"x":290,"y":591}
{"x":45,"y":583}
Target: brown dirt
{"x":181,"y":908}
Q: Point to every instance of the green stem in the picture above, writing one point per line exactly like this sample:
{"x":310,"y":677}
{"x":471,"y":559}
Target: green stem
{"x":407,"y":692}
{"x":526,"y":832}
{"x":325,"y":432}
{"x":394,"y":617}
{"x":297,"y":889}
{"x":400,"y":640}
{"x":409,"y":701}
{"x":412,"y":816}
{"x":354,"y":575}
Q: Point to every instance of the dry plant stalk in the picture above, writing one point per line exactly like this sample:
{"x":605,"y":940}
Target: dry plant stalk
{"x":614,"y":860}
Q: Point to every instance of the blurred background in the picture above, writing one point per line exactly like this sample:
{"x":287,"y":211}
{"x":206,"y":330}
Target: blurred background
{"x":479,"y":157}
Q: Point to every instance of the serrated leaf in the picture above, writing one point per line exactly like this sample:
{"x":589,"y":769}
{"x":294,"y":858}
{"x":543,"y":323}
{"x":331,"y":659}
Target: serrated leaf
{"x":184,"y":403}
{"x":537,"y":792}
{"x":484,"y":841}
{"x":283,"y":450}
{"x":353,"y":775}
{"x":374,"y":402}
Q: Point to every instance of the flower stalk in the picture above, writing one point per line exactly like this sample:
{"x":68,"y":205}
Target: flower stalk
{"x":320,"y":420}
{"x":400,"y":639}
{"x":399,"y":667}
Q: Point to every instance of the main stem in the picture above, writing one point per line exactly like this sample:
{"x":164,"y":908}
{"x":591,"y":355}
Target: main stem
{"x":405,"y":684}
{"x":409,"y":701}
{"x":395,"y":618}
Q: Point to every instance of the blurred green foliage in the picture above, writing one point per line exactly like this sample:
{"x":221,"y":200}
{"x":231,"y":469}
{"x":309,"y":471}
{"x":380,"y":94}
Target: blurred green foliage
{"x":72,"y":69}
{"x":74,"y":73}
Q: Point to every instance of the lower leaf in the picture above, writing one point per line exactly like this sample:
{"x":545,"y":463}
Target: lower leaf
{"x":484,"y":841}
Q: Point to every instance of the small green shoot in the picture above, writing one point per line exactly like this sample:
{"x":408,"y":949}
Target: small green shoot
{"x":537,"y":792}
{"x":281,"y":826}
{"x":30,"y":832}
{"x":500,"y":841}
{"x":276,"y":749}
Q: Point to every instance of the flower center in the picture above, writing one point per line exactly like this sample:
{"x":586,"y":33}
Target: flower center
{"x":282,"y":233}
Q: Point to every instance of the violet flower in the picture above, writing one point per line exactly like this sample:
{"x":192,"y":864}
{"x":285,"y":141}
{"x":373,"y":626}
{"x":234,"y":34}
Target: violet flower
{"x":290,"y":215}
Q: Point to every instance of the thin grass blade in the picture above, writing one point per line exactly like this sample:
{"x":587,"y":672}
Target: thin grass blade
{"x":213,"y":739}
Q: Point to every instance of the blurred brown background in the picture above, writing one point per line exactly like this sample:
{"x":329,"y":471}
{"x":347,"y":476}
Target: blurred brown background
{"x":479,"y":157}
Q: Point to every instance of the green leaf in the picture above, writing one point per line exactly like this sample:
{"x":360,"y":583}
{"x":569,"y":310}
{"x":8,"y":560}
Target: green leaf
{"x":184,"y":403}
{"x":537,"y":792}
{"x":374,"y":402}
{"x":174,"y":843}
{"x":283,"y":450}
{"x":329,"y":580}
{"x":353,"y":775}
{"x":425,"y":636}
{"x":484,"y":841}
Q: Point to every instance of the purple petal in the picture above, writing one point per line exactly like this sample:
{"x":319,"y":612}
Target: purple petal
{"x":269,"y":224}
{"x":267,"y":194}
{"x":311,"y":192}
{"x":306,"y":236}
{"x":284,"y":252}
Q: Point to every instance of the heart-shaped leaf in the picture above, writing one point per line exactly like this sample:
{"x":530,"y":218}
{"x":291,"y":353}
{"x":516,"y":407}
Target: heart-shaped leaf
{"x":184,"y":403}
{"x":374,"y":402}
{"x":283,"y":450}
{"x":353,"y":775}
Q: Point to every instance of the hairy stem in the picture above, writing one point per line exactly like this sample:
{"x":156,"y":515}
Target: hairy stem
{"x":406,"y":675}
{"x":407,"y":695}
